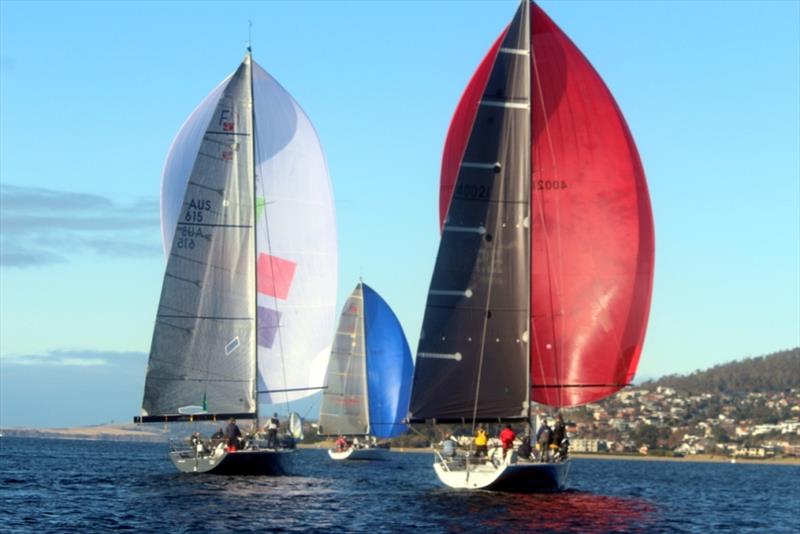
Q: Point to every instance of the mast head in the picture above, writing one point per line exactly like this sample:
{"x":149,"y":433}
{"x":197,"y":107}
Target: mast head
{"x":249,"y":37}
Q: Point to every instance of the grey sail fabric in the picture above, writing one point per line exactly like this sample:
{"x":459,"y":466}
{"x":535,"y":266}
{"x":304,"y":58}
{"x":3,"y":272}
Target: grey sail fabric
{"x":202,"y":357}
{"x":344,"y":408}
{"x":472,"y":360}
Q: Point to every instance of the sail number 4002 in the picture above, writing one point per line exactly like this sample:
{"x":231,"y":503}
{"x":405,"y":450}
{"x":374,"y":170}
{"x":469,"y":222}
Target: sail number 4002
{"x":549,"y":185}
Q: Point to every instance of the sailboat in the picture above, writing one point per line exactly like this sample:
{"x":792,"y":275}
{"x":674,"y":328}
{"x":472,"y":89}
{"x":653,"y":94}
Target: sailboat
{"x":542,"y":283}
{"x":368,"y":379}
{"x":248,"y":298}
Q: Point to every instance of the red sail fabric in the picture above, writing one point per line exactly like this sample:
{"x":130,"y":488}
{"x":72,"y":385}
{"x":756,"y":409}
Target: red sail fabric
{"x":461,"y":126}
{"x":592,"y":242}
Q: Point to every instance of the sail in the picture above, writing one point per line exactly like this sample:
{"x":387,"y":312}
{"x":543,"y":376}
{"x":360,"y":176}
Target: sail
{"x":296,"y":247}
{"x":296,"y":250}
{"x":389,"y":367}
{"x":472,"y":360}
{"x":344,"y":408}
{"x":202,"y":357}
{"x":592,"y":230}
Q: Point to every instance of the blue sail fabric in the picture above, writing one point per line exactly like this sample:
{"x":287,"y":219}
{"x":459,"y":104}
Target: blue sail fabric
{"x":389,"y":367}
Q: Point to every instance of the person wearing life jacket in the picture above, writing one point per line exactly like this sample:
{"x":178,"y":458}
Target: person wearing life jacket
{"x":341,"y":444}
{"x":481,"y":441}
{"x":507,"y":437}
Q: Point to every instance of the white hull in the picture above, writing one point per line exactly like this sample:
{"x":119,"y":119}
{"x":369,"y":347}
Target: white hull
{"x":371,"y":453}
{"x":508,"y":476}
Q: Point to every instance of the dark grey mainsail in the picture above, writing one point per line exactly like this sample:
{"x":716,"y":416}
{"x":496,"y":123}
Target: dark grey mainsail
{"x":472,"y":361}
{"x":203,"y":354}
{"x":344,"y":408}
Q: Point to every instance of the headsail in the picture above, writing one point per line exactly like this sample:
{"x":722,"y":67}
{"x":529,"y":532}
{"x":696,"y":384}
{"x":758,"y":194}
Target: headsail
{"x":550,"y":220}
{"x":204,"y":348}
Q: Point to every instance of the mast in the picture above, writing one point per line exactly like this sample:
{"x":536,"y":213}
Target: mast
{"x":529,"y":174}
{"x":364,"y":368}
{"x":254,"y":213}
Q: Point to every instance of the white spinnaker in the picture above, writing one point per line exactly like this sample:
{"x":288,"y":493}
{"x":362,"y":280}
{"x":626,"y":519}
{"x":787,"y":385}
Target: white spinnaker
{"x":298,"y":225}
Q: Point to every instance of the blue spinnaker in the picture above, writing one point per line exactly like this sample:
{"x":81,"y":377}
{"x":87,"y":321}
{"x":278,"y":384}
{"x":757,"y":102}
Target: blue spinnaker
{"x":389,"y":367}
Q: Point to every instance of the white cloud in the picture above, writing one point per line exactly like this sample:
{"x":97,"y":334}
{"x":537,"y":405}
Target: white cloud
{"x":44,"y":226}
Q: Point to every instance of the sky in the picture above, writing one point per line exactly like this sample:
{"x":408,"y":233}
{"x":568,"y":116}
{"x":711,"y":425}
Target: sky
{"x":92,"y":93}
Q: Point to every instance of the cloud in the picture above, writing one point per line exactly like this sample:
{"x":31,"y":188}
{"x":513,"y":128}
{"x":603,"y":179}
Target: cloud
{"x":44,"y":226}
{"x":70,"y":387}
{"x":69,"y":358}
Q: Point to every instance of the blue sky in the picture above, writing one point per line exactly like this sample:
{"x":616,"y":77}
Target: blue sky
{"x":92,"y":93}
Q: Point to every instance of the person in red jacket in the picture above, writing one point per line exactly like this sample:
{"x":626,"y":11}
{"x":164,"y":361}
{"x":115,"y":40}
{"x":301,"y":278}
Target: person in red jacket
{"x":507,"y":437}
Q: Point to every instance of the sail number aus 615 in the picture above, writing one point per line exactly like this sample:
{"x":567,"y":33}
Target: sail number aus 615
{"x":194,"y":212}
{"x":549,"y":185}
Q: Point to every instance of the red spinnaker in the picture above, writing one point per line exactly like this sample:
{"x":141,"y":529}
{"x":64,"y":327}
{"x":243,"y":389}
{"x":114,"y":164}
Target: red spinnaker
{"x":592,"y":242}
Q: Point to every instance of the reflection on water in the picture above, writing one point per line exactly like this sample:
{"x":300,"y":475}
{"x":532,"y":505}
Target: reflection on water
{"x":574,"y":510}
{"x":568,"y":511}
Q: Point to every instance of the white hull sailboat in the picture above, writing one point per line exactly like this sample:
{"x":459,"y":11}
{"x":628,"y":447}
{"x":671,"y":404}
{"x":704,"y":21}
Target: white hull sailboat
{"x":541,"y":289}
{"x":360,"y":453}
{"x":368,"y":379}
{"x":249,"y":291}
{"x":511,"y":474}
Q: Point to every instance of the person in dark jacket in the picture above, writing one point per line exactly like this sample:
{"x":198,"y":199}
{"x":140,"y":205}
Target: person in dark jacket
{"x":233,"y":434}
{"x":524,"y":450}
{"x":272,"y":431}
{"x":560,"y":437}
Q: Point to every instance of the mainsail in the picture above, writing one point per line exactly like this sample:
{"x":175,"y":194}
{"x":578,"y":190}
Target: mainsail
{"x":246,"y":197}
{"x":542,"y":283}
{"x":203,"y":351}
{"x":345,"y":408}
{"x":370,"y":370}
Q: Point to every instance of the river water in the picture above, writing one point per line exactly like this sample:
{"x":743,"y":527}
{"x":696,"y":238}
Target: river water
{"x":80,"y":486}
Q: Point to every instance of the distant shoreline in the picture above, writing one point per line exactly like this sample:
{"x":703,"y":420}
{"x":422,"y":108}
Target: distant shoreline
{"x":708,"y":458}
{"x":117,"y":433}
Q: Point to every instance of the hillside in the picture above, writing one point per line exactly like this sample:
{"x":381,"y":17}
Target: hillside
{"x":775,"y":372}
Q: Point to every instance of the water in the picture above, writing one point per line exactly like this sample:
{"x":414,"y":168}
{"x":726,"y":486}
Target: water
{"x":79,"y":486}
